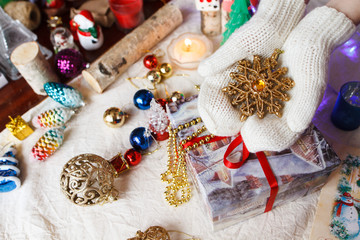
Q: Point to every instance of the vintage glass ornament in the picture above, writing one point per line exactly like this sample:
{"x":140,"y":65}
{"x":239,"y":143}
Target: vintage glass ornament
{"x":53,"y":118}
{"x":142,"y":99}
{"x":8,"y":171}
{"x":64,"y":94}
{"x":162,"y":102}
{"x":61,"y":38}
{"x":114,"y":117}
{"x":88,"y":31}
{"x":140,"y":139}
{"x":132,"y":157}
{"x":69,"y":63}
{"x":158,"y":121}
{"x":159,"y":136}
{"x":166,"y":70}
{"x":150,"y":61}
{"x":177,"y":97}
{"x":154,"y":76}
{"x":48,"y":144}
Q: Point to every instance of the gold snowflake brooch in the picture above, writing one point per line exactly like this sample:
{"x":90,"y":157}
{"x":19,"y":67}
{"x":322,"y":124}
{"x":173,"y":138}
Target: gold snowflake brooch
{"x":259,"y":86}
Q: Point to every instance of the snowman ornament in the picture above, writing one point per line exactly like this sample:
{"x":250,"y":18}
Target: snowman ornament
{"x":347,"y":214}
{"x":89,"y":33}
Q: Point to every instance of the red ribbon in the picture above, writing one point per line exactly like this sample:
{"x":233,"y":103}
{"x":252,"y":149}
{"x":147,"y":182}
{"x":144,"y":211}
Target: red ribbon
{"x":236,"y":142}
{"x":270,"y":177}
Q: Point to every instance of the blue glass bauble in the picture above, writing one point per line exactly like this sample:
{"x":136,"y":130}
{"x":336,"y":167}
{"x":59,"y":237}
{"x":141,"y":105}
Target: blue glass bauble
{"x":142,"y":99}
{"x":140,"y":139}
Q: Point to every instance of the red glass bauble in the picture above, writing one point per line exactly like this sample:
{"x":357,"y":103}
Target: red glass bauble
{"x":162,"y":102}
{"x":133,"y":157}
{"x":150,"y":61}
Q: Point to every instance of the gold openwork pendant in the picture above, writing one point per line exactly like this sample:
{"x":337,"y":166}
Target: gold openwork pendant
{"x":259,"y":86}
{"x":87,"y":179}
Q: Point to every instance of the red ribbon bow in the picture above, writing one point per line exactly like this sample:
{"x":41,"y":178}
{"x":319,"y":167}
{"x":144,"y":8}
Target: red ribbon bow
{"x":262,"y":159}
{"x":270,"y":177}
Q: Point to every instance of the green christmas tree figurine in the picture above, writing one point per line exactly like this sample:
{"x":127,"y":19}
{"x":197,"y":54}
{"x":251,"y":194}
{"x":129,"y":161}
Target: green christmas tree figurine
{"x":238,"y":16}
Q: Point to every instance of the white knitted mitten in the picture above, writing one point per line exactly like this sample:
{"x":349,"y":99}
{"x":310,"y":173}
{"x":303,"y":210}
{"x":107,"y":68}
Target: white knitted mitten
{"x":266,"y":31}
{"x":306,"y":55}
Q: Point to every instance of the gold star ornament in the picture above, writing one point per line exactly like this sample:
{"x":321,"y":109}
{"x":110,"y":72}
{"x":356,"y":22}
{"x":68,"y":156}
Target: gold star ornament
{"x":259,"y":86}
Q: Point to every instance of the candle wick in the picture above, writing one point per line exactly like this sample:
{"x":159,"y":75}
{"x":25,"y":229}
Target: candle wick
{"x":187,"y":45}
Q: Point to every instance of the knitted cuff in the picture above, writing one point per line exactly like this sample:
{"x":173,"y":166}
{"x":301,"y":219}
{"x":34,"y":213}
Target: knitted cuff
{"x":326,"y":28}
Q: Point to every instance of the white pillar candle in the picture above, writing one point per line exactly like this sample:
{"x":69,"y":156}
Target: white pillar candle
{"x":189,"y":49}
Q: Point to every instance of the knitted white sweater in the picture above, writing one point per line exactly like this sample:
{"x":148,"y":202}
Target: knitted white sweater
{"x":307,"y":47}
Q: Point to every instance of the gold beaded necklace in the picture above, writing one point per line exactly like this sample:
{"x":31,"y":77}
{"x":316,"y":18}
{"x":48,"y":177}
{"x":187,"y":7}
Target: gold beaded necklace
{"x":179,"y":191}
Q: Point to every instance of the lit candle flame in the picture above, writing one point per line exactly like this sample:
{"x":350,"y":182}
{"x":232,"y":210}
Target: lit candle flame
{"x":187,"y":44}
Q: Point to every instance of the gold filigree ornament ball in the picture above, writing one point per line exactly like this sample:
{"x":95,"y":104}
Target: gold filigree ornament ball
{"x":152,"y":233}
{"x":114,"y":117}
{"x":87,"y":179}
{"x":259,"y":86}
{"x":159,"y":233}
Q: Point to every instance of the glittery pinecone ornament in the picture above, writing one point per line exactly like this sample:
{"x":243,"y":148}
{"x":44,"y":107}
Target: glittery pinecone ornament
{"x":158,"y":121}
{"x":48,"y":144}
{"x":64,"y":94}
{"x":53,"y":118}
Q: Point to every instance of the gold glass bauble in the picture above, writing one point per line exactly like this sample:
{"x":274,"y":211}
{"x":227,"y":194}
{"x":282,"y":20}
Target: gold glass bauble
{"x":154,"y":76}
{"x":114,"y":117}
{"x":166,"y":70}
{"x":177,"y":96}
{"x":87,"y":179}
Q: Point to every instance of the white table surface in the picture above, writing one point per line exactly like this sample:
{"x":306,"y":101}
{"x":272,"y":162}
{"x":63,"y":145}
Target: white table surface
{"x":38,"y":209}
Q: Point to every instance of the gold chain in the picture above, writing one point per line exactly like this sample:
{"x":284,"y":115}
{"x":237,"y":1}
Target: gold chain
{"x":179,"y":192}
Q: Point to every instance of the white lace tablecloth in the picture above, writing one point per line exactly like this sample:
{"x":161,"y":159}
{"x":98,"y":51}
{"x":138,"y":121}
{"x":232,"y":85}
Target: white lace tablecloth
{"x":38,"y":209}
